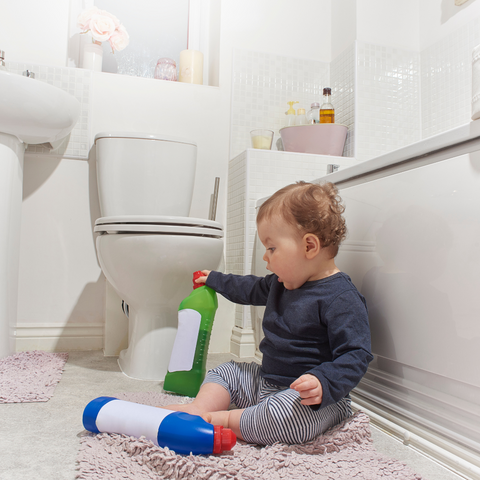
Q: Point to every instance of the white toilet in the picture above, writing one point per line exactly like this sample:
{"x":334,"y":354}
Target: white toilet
{"x":147,"y":246}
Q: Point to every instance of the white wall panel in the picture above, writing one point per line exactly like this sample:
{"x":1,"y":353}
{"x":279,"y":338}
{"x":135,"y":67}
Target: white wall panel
{"x":413,"y":251}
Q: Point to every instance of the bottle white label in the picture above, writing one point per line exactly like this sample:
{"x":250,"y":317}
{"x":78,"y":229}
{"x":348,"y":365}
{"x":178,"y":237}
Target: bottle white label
{"x":132,"y":419}
{"x":185,"y":343}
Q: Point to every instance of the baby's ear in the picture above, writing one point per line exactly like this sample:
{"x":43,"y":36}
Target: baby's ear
{"x":312,"y":245}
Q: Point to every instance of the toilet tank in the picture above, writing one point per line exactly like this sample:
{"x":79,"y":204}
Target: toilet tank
{"x":143,"y":174}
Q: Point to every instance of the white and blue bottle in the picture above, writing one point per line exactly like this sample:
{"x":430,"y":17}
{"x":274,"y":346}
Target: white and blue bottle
{"x":179,"y":431}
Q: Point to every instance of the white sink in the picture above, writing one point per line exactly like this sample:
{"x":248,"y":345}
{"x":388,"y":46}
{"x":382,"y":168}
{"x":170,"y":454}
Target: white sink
{"x":30,"y":112}
{"x":34,"y":111}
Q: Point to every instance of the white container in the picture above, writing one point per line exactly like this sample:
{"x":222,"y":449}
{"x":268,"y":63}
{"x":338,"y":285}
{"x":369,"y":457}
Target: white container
{"x":291,"y":120}
{"x":313,"y":115}
{"x":262,"y":139}
{"x":321,"y":139}
{"x":143,"y":174}
{"x":301,"y":117}
{"x":93,"y":56}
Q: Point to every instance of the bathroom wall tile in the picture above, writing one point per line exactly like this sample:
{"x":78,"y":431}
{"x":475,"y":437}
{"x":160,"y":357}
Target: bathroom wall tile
{"x":75,"y":81}
{"x":387,"y":93}
{"x":262,"y":84}
{"x":342,"y":79}
{"x":447,"y":80}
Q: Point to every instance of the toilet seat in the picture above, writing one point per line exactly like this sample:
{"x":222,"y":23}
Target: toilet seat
{"x":166,"y":225}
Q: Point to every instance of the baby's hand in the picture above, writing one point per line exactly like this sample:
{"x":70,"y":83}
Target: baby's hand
{"x":203,"y":279}
{"x":309,"y":388}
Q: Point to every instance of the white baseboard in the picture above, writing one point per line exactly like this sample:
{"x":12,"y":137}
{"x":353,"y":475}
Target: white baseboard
{"x":242,"y":342}
{"x":449,"y":454}
{"x":56,"y":338}
{"x":258,"y":356}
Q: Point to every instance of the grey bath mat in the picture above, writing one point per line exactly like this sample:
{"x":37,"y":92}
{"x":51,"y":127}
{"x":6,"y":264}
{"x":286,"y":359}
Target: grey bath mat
{"x":343,"y":452}
{"x":30,"y":376}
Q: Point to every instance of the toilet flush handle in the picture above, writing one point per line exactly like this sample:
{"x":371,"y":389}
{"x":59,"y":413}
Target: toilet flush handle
{"x":214,"y":200}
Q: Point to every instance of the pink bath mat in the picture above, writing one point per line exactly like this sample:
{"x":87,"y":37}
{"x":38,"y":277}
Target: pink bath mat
{"x":343,"y":452}
{"x":30,"y":376}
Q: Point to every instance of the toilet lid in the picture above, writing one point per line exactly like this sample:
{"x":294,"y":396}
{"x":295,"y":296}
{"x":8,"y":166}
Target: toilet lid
{"x":159,"y":224}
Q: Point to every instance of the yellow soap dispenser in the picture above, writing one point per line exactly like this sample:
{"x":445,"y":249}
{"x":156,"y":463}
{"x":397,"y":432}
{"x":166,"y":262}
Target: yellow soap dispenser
{"x":290,"y":113}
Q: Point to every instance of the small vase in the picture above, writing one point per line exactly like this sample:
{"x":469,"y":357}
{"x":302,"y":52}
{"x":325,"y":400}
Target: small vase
{"x":93,"y":56}
{"x":166,"y":69}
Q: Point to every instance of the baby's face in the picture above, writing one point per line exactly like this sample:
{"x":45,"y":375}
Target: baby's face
{"x":285,"y":251}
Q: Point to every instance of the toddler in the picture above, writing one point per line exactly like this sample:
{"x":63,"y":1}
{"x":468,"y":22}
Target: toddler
{"x":317,"y":340}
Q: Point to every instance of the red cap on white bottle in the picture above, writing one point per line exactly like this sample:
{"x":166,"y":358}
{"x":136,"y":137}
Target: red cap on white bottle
{"x":223,"y":439}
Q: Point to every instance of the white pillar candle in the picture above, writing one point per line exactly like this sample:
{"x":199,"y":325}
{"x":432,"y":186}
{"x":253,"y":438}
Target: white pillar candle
{"x":191,"y":67}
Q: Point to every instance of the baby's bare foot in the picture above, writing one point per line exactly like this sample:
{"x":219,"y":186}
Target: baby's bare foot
{"x":207,"y":417}
{"x":217,"y":418}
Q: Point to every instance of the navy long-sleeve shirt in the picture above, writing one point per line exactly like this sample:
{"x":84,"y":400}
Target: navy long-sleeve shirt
{"x":320,"y":328}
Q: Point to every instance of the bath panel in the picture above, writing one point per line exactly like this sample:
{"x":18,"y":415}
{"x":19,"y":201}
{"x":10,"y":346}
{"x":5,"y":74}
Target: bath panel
{"x":413,"y":252}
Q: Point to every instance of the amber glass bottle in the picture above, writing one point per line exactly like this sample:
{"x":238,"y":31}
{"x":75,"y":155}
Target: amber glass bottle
{"x":327,"y":112}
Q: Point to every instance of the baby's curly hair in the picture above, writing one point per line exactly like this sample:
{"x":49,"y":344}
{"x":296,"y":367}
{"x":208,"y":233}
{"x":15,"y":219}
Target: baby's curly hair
{"x":312,"y":208}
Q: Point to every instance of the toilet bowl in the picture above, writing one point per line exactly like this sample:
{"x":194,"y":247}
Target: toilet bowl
{"x":147,"y":254}
{"x":150,"y":265}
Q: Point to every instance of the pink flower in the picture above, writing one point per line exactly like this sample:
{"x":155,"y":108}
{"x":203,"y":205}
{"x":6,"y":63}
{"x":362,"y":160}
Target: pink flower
{"x":103,"y":26}
{"x":113,"y":17}
{"x":84,"y":18}
{"x":119,"y":39}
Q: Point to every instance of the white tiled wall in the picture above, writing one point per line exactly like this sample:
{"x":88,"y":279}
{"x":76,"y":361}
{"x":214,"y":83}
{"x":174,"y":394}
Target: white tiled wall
{"x":252,"y":175}
{"x":75,"y":81}
{"x":388,"y":100}
{"x":342,"y":72}
{"x":447,"y":80}
{"x":375,"y":92}
{"x":262,"y":84}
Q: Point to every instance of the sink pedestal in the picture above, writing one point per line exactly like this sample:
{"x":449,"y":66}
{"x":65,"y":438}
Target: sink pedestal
{"x":31,"y":112}
{"x":11,"y":187}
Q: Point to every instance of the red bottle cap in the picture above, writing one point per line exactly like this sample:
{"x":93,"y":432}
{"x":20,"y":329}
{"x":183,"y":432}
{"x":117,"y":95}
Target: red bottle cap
{"x":223,"y":439}
{"x":195,"y":276}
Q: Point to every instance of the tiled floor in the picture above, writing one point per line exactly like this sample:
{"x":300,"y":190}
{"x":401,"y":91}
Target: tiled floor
{"x":40,"y":441}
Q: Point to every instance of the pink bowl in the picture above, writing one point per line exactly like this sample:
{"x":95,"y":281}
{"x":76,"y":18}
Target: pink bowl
{"x":321,"y":138}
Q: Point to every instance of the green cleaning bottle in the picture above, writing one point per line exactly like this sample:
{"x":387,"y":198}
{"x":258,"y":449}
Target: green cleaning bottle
{"x":187,"y":367}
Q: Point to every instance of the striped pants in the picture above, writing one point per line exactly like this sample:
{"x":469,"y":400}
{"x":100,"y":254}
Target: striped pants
{"x":272,"y":413}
